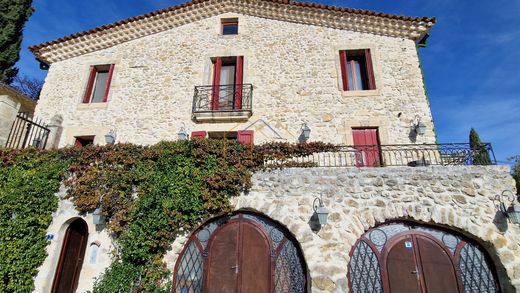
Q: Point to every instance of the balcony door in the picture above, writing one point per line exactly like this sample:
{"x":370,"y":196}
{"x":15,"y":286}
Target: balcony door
{"x":366,"y":143}
{"x":227,"y":83}
{"x":71,"y":258}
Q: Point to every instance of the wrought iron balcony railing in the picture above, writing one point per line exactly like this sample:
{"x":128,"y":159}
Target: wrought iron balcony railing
{"x":233,"y":99}
{"x":413,"y":155}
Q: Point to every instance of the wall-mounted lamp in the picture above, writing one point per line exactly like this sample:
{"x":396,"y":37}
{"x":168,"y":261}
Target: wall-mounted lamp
{"x":418,"y":126}
{"x":182,"y":134}
{"x":110,"y":137}
{"x":305,"y":133}
{"x":513,"y":211}
{"x":320,"y":210}
{"x":97,"y":217}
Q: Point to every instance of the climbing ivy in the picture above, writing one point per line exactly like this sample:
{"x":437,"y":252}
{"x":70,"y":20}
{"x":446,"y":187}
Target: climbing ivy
{"x":28,"y":181}
{"x":149,"y":194}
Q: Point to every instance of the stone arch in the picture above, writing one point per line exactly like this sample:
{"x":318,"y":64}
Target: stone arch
{"x":202,"y":256}
{"x":451,"y":225}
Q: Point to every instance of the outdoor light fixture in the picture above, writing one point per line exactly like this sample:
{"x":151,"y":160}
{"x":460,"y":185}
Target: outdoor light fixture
{"x":320,"y":210}
{"x":418,"y":126}
{"x":513,"y":211}
{"x":97,"y":217}
{"x":306,"y":133}
{"x":110,"y":137}
{"x":182,"y":134}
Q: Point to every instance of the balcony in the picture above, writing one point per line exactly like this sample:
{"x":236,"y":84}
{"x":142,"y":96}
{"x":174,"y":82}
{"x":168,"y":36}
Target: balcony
{"x":412,"y":155}
{"x":222,"y":103}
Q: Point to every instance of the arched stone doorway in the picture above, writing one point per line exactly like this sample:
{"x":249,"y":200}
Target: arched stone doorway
{"x":408,"y":257}
{"x":243,"y":252}
{"x":71,"y":258}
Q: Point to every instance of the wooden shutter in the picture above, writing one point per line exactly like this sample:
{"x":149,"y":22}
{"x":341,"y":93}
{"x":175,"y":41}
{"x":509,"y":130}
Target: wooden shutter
{"x":109,"y":81}
{"x":198,"y":134}
{"x":90,"y":84}
{"x":366,"y":143}
{"x":245,"y":136}
{"x":238,"y":82}
{"x":344,"y":71}
{"x":370,"y":70}
{"x":217,"y":66}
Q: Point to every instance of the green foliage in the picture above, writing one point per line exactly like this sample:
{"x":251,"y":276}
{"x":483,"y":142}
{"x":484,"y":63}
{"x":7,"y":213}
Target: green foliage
{"x":13,"y":15}
{"x":479,"y":152}
{"x":149,"y":195}
{"x":28,"y":182}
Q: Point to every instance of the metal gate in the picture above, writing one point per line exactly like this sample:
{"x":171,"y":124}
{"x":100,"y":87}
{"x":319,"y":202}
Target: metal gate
{"x":27,"y":132}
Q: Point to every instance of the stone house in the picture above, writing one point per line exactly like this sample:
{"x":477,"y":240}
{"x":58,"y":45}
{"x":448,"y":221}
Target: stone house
{"x":12,"y":103}
{"x":273,"y":70}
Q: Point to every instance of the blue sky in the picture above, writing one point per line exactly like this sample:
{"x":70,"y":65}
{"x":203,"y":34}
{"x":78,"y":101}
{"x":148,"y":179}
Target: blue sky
{"x":472,"y":63}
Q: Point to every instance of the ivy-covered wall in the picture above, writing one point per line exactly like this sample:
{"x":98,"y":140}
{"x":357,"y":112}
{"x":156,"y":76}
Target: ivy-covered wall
{"x":148,"y":194}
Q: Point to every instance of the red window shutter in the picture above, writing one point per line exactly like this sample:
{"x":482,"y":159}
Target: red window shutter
{"x":370,"y":70}
{"x":238,"y":82}
{"x":90,"y":84}
{"x":78,"y":143}
{"x":198,"y":134}
{"x":217,"y":66}
{"x":246,"y":136}
{"x":344,"y":71}
{"x":109,"y":81}
{"x":366,"y":142}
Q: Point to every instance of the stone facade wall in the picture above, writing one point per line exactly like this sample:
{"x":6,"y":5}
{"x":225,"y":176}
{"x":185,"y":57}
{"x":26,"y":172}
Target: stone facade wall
{"x":294,"y":69}
{"x":458,"y":198}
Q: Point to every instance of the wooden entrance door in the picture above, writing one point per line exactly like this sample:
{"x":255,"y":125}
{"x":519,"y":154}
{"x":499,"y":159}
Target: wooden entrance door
{"x":71,"y":258}
{"x":366,"y":143}
{"x":418,"y":264}
{"x":239,"y":260}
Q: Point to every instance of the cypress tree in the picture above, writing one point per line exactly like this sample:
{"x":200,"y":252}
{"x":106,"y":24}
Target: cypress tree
{"x":479,"y":153}
{"x":13,"y":15}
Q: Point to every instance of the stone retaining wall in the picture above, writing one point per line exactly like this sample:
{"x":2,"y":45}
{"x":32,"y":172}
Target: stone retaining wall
{"x":457,"y":198}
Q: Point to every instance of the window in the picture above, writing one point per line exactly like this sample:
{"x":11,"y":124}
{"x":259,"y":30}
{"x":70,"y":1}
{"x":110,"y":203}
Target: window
{"x":227,"y":83}
{"x":242,"y":136}
{"x":82,"y":141}
{"x":230,"y":26}
{"x":357,"y":73}
{"x":98,"y":84}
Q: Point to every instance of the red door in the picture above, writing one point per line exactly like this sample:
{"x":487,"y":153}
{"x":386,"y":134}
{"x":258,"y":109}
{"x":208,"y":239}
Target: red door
{"x":71,"y":258}
{"x":418,"y":264}
{"x":366,"y":143}
{"x":239,"y":260}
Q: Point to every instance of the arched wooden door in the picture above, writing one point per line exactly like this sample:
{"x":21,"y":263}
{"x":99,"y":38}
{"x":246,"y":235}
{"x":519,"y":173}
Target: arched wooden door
{"x":71,"y":258}
{"x":239,"y":260}
{"x":416,"y":263}
{"x":244,"y":253}
{"x":405,"y":257}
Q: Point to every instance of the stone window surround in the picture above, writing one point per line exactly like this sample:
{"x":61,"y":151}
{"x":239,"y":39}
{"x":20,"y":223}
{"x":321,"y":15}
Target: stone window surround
{"x":98,"y":132}
{"x":376,"y":65}
{"x":85,"y":74}
{"x":207,"y":76}
{"x":242,"y":29}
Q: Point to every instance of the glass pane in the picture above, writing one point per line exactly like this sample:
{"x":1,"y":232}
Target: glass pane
{"x":230,"y":29}
{"x":350,"y":77}
{"x":189,"y":273}
{"x":289,"y":273}
{"x":99,"y":87}
{"x":227,"y":89}
{"x":359,"y":80}
{"x":365,"y":274}
{"x":475,"y":272}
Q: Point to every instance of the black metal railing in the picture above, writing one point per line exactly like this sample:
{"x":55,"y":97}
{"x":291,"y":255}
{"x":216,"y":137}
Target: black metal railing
{"x":27,"y":132}
{"x":412,"y":155}
{"x":223,"y":98}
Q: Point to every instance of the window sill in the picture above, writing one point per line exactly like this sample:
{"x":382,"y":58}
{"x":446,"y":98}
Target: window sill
{"x":366,"y":93}
{"x":233,"y":116}
{"x":90,"y":106}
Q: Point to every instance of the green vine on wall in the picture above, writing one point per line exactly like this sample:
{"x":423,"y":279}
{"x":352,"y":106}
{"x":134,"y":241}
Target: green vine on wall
{"x":149,"y":195}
